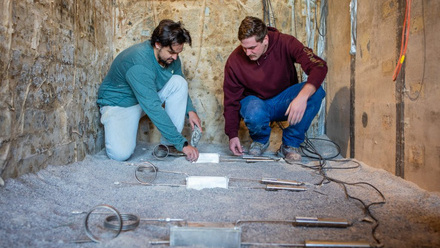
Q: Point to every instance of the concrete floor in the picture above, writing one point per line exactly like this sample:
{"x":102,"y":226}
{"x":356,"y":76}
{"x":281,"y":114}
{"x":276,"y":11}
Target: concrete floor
{"x":48,"y":208}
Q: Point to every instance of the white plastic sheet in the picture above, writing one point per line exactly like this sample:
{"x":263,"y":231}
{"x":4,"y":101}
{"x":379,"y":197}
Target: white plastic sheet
{"x":208,"y":158}
{"x":206,"y":182}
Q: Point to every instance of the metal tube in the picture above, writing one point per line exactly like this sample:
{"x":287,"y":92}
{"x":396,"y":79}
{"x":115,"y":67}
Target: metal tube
{"x":272,"y":244}
{"x":304,"y":221}
{"x":330,"y":243}
{"x":320,"y":222}
{"x":285,"y":187}
{"x":279,"y":181}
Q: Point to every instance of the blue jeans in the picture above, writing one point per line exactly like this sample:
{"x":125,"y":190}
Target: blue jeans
{"x":258,"y":114}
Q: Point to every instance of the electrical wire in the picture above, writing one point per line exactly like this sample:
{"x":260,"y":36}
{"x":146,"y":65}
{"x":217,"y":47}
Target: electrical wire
{"x":405,"y":37}
{"x":322,"y":169}
{"x":323,"y":13}
{"x":417,"y":95}
{"x":269,"y":16}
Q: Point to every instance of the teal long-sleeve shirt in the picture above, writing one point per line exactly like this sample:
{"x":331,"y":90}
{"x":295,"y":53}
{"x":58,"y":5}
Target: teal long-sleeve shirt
{"x":135,"y":77}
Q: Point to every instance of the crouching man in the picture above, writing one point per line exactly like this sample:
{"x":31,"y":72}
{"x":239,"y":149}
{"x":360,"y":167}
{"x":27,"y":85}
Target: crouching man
{"x":141,"y":79}
{"x":261,"y":85}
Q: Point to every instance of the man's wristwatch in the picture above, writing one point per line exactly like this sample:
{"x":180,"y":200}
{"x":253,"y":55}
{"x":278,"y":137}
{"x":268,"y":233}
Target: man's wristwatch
{"x":185,"y":144}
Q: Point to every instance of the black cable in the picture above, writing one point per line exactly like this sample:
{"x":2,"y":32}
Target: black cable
{"x":309,"y":144}
{"x":417,"y":95}
{"x":268,"y":14}
{"x":321,"y":169}
{"x":326,"y":179}
{"x":323,"y":13}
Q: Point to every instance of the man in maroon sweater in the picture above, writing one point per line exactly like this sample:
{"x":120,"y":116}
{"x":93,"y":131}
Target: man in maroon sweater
{"x":261,"y":86}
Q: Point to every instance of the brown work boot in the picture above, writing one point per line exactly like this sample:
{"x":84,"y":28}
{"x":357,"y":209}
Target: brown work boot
{"x":258,"y":148}
{"x":290,"y":154}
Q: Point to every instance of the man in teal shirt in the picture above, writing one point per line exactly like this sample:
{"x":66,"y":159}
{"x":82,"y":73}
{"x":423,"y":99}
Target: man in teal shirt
{"x":140,"y":80}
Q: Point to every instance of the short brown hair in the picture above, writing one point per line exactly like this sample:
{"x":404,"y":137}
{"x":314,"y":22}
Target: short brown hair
{"x":252,"y":26}
{"x":168,"y":33}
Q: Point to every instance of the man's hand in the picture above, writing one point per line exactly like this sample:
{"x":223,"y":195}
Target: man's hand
{"x":297,"y":107}
{"x":235,"y":146}
{"x":194,"y":120}
{"x":192,"y":154}
{"x":295,"y":111}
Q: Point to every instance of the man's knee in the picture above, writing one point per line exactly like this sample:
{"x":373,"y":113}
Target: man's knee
{"x":120,"y":154}
{"x":255,"y":116}
{"x":179,"y":82}
{"x":252,"y":108}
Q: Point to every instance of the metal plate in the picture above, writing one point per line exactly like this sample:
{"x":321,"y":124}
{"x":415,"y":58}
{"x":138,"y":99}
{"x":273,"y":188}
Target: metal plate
{"x":205,"y":237}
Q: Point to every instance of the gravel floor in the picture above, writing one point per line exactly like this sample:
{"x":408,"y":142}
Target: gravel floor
{"x":49,"y":208}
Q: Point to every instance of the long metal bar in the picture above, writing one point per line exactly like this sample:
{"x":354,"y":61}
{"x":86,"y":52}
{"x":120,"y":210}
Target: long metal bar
{"x":304,"y":221}
{"x":285,"y":187}
{"x":316,"y":244}
{"x":266,"y":180}
{"x":307,"y":243}
{"x":336,"y":244}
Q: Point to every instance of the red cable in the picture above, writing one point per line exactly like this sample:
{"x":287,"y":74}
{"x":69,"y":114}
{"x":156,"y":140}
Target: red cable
{"x":405,"y":36}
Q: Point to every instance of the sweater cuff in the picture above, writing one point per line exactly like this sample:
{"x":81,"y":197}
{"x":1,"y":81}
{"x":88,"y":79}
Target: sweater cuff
{"x":232,"y":135}
{"x":180,"y":146}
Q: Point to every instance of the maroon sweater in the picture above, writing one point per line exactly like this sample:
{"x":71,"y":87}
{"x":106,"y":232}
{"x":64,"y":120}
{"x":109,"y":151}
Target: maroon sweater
{"x":270,"y":75}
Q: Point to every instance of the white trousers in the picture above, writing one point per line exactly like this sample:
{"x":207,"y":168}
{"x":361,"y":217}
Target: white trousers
{"x":121,"y":124}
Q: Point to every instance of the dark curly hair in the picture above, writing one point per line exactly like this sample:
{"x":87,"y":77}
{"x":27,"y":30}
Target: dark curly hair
{"x":168,"y":33}
{"x":252,"y":26}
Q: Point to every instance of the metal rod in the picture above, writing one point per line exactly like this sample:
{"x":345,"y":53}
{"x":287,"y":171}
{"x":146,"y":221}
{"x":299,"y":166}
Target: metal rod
{"x":320,"y":222}
{"x":279,"y":181}
{"x":304,"y":221}
{"x":246,"y":156}
{"x":82,"y":241}
{"x":285,"y":187}
{"x":317,"y":244}
{"x":164,"y":220}
{"x":332,"y":243}
{"x":269,"y":181}
{"x":159,"y":242}
{"x":247,"y":160}
{"x":150,"y":184}
{"x":272,"y":244}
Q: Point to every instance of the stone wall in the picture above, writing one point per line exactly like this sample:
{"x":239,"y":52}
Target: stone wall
{"x":54,"y":54}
